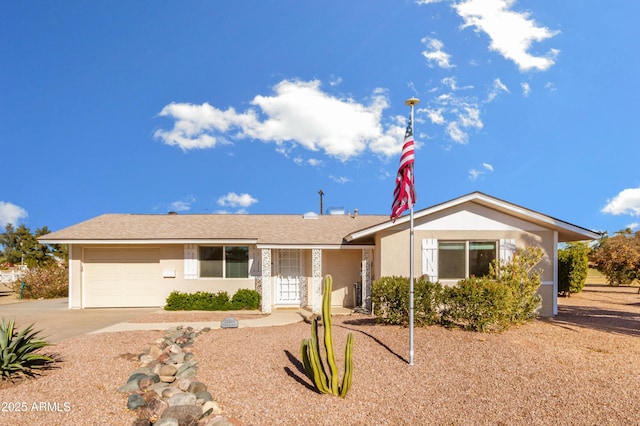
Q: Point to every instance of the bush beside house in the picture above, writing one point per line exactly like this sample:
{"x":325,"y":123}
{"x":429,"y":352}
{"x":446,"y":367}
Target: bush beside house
{"x":220,"y":301}
{"x":505,"y":297}
{"x":573,"y":268}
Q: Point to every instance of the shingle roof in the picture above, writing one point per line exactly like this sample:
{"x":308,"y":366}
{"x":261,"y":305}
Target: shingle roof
{"x":264,"y":229}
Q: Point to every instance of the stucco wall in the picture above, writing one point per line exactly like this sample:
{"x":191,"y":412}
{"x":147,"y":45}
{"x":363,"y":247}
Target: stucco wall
{"x":171,"y":259}
{"x":467,"y":223}
{"x":344,"y":267}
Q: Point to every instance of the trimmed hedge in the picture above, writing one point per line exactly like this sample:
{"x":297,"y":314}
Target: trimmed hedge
{"x":507,"y":296}
{"x":390,"y":297}
{"x":204,"y":301}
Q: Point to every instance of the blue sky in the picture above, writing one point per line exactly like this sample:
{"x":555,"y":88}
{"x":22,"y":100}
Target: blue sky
{"x":246,"y":106}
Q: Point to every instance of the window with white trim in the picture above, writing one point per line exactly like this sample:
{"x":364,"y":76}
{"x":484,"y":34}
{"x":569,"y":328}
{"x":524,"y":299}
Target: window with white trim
{"x":224,"y":261}
{"x":463,"y":259}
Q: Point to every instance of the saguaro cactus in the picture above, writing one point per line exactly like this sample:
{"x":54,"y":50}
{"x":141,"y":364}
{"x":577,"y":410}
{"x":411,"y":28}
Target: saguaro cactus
{"x":311,"y":353}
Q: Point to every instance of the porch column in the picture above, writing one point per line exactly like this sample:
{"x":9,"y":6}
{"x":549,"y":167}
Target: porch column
{"x":367,"y":258}
{"x":316,"y":280}
{"x":266,"y":280}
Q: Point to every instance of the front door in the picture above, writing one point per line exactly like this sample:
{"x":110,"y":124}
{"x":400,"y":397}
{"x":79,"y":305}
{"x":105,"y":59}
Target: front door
{"x":288,"y":277}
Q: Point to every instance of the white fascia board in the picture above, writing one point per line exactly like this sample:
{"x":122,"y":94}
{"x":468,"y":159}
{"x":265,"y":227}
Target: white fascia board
{"x":532,"y":216}
{"x":155,"y":241}
{"x":314,"y":246}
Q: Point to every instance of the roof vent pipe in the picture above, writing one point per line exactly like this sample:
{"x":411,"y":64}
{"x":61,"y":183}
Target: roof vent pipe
{"x":355,"y":212}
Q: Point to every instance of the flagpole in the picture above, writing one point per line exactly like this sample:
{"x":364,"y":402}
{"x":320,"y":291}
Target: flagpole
{"x":412,"y":102}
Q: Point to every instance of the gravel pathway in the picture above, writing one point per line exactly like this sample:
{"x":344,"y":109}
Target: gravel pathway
{"x":581,"y":368}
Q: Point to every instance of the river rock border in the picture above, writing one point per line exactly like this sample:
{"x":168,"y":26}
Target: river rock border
{"x":164,"y":390}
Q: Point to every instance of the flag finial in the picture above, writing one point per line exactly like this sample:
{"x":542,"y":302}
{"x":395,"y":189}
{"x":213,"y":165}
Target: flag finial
{"x":412,"y":101}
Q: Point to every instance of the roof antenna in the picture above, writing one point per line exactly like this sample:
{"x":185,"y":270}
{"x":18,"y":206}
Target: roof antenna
{"x":321,"y":192}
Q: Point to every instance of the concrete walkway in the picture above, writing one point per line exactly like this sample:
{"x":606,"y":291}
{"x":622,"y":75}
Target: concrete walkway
{"x":276,"y":318}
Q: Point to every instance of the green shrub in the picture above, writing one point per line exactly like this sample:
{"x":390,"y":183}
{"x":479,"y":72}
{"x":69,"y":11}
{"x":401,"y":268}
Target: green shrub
{"x":46,"y":282}
{"x":245,"y":299}
{"x":573,"y":267}
{"x":18,"y":355}
{"x":508,"y":295}
{"x":205,"y":301}
{"x":523,"y":281}
{"x":478,"y":304}
{"x":428,"y":301}
{"x":390,"y":297}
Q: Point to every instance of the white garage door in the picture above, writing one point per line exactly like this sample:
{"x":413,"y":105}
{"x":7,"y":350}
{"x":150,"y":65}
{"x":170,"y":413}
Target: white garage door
{"x":122,"y":277}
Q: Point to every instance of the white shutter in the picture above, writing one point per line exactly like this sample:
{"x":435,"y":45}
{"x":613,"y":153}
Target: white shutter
{"x":255,"y":262}
{"x":507,"y":248}
{"x":190,"y":262}
{"x":430,"y":258}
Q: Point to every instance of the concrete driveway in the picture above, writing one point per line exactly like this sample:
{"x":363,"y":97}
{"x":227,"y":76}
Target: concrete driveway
{"x":58,"y":322}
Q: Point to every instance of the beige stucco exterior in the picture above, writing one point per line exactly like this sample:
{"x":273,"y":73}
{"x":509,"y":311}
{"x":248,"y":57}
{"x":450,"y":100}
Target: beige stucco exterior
{"x":468,"y":222}
{"x":169,"y":275}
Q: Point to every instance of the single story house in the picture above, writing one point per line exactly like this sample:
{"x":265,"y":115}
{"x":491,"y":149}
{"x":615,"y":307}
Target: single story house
{"x":134,"y":260}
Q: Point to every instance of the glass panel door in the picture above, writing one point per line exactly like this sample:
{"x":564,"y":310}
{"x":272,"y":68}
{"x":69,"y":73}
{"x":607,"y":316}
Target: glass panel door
{"x":288,"y":277}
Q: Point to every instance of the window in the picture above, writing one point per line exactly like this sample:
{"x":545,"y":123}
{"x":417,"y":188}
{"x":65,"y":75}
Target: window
{"x":462,"y":259}
{"x":224,"y":262}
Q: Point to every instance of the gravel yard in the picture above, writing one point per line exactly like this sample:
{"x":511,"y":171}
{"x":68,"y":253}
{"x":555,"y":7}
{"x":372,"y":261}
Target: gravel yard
{"x":581,"y":367}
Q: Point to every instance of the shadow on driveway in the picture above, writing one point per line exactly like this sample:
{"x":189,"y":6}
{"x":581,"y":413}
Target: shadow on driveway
{"x":58,"y":322}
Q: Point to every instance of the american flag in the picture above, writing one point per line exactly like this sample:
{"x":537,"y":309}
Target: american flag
{"x":404,"y":196}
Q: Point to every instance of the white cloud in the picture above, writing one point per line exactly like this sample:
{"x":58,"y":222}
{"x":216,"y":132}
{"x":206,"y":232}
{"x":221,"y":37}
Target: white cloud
{"x":339,"y":179}
{"x":626,"y":202}
{"x":497,"y":87}
{"x":633,"y":225}
{"x":435,"y":116}
{"x":299,"y":113}
{"x":452,"y":84}
{"x":180,"y":206}
{"x":458,"y":115}
{"x":526,"y":89}
{"x":335,"y":81}
{"x":474,"y":174}
{"x":234,"y":200}
{"x":11,"y":214}
{"x":428,"y":1}
{"x":434,"y":53}
{"x":511,"y":33}
{"x":194,"y":124}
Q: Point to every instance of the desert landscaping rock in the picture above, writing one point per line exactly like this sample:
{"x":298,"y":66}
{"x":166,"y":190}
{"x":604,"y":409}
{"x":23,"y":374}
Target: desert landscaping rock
{"x":196,"y":387}
{"x":135,"y":400}
{"x":213,"y":406}
{"x":184,"y":398}
{"x":168,"y":370}
{"x":204,"y":396}
{"x":167,"y":422}
{"x":164,"y":389}
{"x":185,"y":414}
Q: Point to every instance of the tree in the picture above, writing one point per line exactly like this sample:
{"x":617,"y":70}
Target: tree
{"x":19,"y":246}
{"x":573,"y":267}
{"x":618,"y":257}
